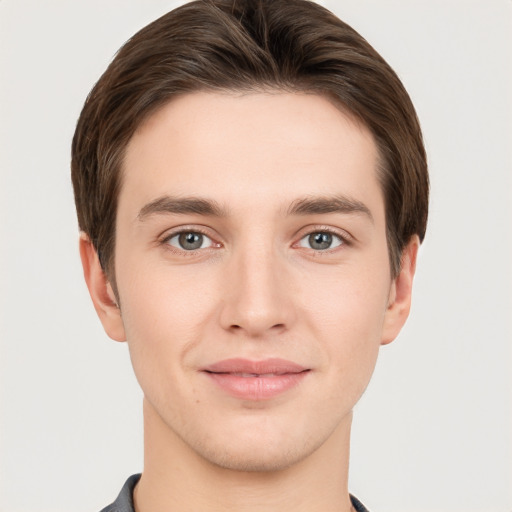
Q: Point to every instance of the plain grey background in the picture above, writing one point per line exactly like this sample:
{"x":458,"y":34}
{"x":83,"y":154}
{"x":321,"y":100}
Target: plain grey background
{"x":433,"y":431}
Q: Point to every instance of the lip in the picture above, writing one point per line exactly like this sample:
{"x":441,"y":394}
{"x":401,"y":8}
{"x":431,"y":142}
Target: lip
{"x":256,"y":380}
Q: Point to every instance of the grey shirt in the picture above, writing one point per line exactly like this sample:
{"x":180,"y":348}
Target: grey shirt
{"x":124,"y":502}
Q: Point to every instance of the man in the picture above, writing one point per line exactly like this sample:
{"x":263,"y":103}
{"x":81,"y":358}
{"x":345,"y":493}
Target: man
{"x":252,"y":189}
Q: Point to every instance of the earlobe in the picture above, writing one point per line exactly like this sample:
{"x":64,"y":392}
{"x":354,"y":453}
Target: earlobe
{"x":400,"y":294}
{"x":101,"y":291}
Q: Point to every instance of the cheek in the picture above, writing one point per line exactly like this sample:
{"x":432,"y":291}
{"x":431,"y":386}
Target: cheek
{"x":154,"y":297}
{"x":348,"y":304}
{"x":164,"y":314}
{"x":347,"y":316}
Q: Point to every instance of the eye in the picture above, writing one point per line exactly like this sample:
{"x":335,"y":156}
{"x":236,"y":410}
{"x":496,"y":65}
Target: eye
{"x":321,"y":241}
{"x":189,"y":241}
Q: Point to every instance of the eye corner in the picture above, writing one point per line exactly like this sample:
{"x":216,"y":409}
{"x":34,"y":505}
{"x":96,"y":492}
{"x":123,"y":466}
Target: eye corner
{"x":188,"y":240}
{"x":322,"y":240}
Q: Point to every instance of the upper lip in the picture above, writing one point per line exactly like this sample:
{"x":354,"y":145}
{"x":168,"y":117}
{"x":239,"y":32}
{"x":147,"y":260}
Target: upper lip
{"x":274,"y":366}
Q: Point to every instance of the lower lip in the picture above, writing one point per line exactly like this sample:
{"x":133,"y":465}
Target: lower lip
{"x":256,"y":388}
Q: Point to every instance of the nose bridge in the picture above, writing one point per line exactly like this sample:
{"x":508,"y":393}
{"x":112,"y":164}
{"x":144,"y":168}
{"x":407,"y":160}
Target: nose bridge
{"x":256,"y":300}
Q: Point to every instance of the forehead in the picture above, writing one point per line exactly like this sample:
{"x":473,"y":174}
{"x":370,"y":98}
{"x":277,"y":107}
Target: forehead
{"x":249,"y":147}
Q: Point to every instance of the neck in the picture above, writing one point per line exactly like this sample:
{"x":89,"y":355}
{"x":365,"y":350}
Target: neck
{"x":176,"y":476}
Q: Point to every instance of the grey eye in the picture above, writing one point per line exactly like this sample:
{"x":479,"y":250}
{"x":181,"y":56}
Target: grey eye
{"x":190,"y":241}
{"x":320,"y":241}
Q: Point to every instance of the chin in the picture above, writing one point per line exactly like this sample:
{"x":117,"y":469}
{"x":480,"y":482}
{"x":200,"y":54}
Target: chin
{"x":257,"y":454}
{"x":252,"y":462}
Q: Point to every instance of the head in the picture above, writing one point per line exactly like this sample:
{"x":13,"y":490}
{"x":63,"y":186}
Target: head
{"x":252,"y":185}
{"x":243,"y":46}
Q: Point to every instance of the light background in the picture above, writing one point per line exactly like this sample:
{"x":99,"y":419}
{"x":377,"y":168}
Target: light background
{"x":434,"y":430}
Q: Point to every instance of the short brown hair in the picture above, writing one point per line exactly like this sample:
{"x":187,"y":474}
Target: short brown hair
{"x":244,"y":45}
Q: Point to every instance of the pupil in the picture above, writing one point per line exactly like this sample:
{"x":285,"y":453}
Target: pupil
{"x":320,"y":241}
{"x":191,"y":241}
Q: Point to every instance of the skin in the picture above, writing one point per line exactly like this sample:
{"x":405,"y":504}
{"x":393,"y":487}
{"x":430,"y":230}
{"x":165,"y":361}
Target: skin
{"x":257,"y":288}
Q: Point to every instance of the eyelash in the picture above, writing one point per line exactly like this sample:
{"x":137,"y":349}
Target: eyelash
{"x":165,"y":241}
{"x":344,"y":238}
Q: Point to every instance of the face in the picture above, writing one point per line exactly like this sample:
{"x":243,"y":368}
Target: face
{"x":253,"y":273}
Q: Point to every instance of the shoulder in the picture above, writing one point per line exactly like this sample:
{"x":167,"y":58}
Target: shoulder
{"x":358,"y":506}
{"x":124,"y":501}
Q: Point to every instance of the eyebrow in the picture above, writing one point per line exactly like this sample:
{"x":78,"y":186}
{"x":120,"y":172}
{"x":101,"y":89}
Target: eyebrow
{"x":181,"y":205}
{"x":303,"y":206}
{"x":328,"y":204}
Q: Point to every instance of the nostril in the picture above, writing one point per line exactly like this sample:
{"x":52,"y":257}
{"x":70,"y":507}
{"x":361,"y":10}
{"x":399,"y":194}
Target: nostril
{"x":276,"y":327}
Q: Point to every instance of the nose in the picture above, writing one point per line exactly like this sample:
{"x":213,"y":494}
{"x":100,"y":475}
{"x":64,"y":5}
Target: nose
{"x":258,"y":294}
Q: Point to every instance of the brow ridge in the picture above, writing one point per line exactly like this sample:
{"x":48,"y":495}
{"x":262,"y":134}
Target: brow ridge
{"x":309,"y":205}
{"x":312,"y":205}
{"x":180,"y":206}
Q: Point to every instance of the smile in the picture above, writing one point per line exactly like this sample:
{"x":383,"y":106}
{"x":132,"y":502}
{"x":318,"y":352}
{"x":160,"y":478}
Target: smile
{"x":256,"y":374}
{"x":255,"y":380}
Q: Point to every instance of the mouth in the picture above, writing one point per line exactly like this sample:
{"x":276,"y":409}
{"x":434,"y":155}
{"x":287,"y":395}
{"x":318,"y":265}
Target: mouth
{"x":255,"y":380}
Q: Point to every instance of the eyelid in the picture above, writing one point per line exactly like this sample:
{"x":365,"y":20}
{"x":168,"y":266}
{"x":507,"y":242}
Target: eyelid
{"x":345,"y":236}
{"x":185,"y":228}
{"x":164,"y":237}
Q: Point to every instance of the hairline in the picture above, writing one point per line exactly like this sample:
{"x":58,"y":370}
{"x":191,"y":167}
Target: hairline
{"x":248,"y":89}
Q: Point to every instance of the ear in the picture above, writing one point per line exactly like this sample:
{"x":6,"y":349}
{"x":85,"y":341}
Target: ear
{"x":101,"y":291}
{"x":399,"y":303}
